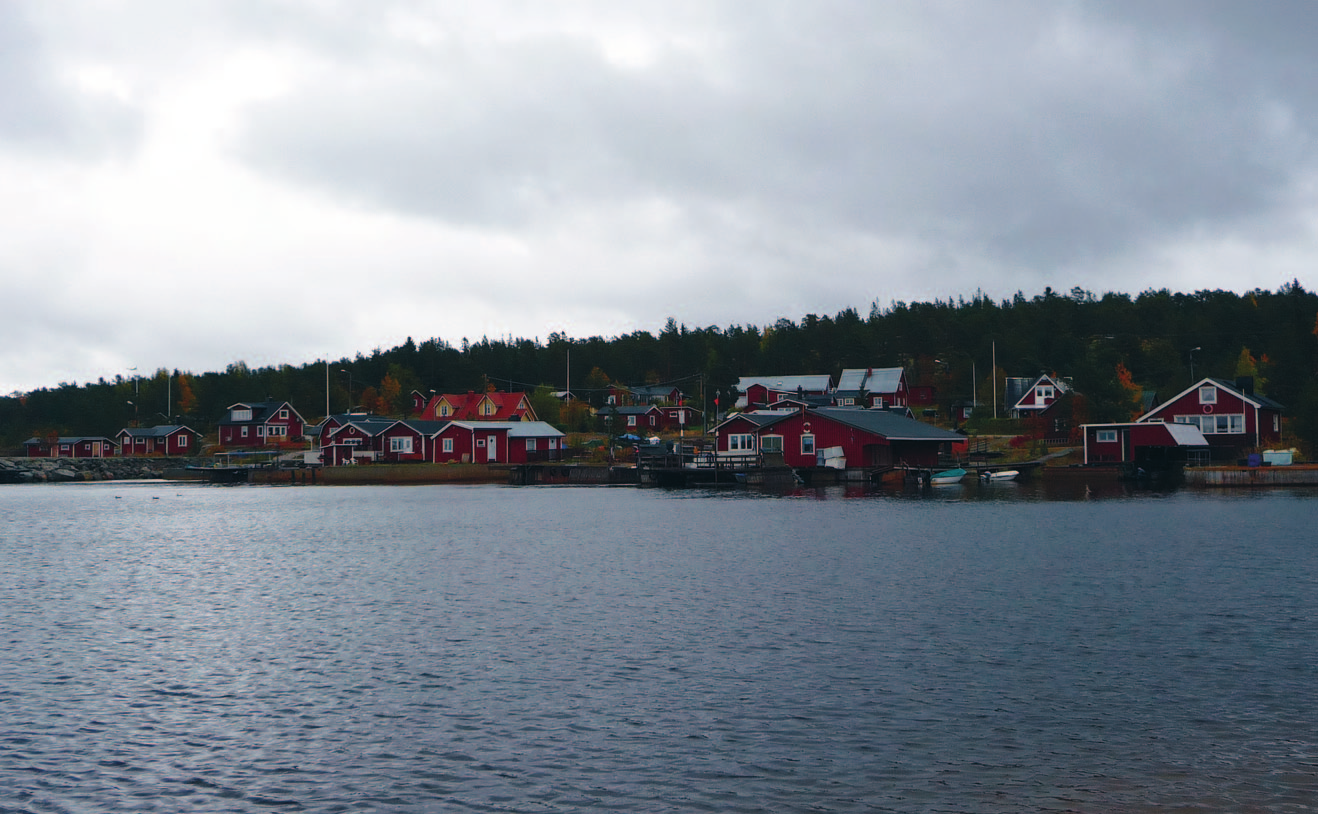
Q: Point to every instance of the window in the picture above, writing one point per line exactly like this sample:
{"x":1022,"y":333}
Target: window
{"x":242,"y":415}
{"x":741,"y":443}
{"x":487,"y":407}
{"x":448,"y":444}
{"x":771,"y":443}
{"x":1224,"y":424}
{"x":183,"y":440}
{"x":530,"y":445}
{"x":631,"y":421}
{"x":1043,"y":392}
{"x":352,"y":442}
{"x":652,"y":421}
{"x":244,"y":432}
{"x":846,"y":402}
{"x":443,"y":410}
{"x":480,"y":442}
{"x":1208,"y":394}
{"x":807,"y":444}
{"x":1106,"y":436}
{"x":283,"y":414}
{"x":400,"y":443}
{"x":275,"y":430}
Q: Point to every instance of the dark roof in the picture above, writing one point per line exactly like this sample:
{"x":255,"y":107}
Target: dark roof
{"x":889,"y":425}
{"x":640,"y":410}
{"x":1263,"y":401}
{"x":77,"y":439}
{"x":160,"y":431}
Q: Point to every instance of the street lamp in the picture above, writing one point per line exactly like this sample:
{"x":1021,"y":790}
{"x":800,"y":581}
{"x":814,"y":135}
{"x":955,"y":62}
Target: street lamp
{"x":349,"y":372}
{"x":1192,"y":350}
{"x":135,"y":421}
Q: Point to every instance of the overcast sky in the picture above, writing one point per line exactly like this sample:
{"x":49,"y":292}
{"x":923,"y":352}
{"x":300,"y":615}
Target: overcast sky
{"x":188,"y":184}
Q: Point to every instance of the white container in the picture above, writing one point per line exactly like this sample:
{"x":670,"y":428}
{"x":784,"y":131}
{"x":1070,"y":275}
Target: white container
{"x":1279,"y":457}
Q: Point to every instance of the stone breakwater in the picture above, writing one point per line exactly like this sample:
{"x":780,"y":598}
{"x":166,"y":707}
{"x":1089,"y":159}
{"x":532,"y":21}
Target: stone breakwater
{"x":65,"y":470}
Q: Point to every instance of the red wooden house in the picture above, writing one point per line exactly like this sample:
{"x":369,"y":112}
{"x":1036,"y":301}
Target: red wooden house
{"x":70,"y":447}
{"x":473,"y":406}
{"x":641,"y":418}
{"x":872,"y":387}
{"x":765,"y":391}
{"x":497,"y":442}
{"x":1230,"y":415}
{"x":679,"y":416}
{"x":258,"y":423}
{"x":1152,"y":442}
{"x":170,"y":439}
{"x":352,"y":438}
{"x":1041,"y":394}
{"x":866,"y":438}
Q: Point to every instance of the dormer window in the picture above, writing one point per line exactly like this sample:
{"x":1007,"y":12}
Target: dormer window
{"x":1208,"y":394}
{"x":242,"y":414}
{"x":283,"y":414}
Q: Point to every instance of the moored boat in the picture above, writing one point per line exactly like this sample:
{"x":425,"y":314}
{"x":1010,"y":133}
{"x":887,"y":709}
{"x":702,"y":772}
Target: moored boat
{"x":1000,"y":475}
{"x":947,"y":476}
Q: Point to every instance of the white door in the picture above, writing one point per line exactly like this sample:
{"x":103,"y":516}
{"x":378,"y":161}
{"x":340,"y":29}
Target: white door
{"x":492,"y":448}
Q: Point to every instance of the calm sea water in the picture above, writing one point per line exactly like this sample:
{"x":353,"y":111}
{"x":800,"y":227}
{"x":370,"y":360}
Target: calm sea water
{"x":186,"y":648}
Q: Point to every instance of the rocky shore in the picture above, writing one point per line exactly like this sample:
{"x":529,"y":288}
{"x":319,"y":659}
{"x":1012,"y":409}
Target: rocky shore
{"x":65,"y":470}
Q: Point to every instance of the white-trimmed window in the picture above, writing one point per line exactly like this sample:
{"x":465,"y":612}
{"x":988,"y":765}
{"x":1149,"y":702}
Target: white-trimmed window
{"x":1106,"y":436}
{"x":448,"y":445}
{"x":242,"y":415}
{"x":846,"y":402}
{"x":480,"y":442}
{"x":183,"y":439}
{"x":741,"y":442}
{"x":444,"y":411}
{"x":807,"y":444}
{"x":283,"y":414}
{"x":244,"y":433}
{"x":771,"y":443}
{"x":1208,"y":394}
{"x":352,"y":442}
{"x":1043,"y":392}
{"x":530,"y":445}
{"x":631,"y":421}
{"x":274,"y":431}
{"x":1222,"y":424}
{"x":487,"y":407}
{"x":400,"y":443}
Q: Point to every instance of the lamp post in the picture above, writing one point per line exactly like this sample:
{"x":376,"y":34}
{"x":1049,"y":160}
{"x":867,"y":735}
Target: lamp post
{"x":349,"y":372}
{"x":134,"y":405}
{"x":1192,"y":350}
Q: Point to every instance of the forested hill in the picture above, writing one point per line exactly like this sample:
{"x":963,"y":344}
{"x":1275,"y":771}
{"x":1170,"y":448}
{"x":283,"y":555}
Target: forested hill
{"x":1110,"y":347}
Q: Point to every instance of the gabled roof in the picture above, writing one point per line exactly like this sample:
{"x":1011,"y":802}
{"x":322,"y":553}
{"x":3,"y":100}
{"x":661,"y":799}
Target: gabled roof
{"x":890,"y":425}
{"x":516,"y":429}
{"x":1061,"y":385}
{"x":465,"y":405}
{"x":640,"y":409}
{"x":874,"y":380}
{"x":261,"y":411}
{"x":1222,"y":384}
{"x":368,"y":425}
{"x":818,"y":383}
{"x":760,"y":418}
{"x":76,"y":439}
{"x":161,"y":431}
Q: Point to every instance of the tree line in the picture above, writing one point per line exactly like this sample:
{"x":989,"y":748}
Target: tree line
{"x":1112,"y":348}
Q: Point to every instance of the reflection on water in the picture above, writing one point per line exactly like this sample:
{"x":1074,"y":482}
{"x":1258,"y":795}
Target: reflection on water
{"x":979,"y":647}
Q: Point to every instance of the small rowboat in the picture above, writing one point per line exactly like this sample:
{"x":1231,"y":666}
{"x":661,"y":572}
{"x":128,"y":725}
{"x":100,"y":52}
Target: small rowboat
{"x":947,"y":476}
{"x":1002,"y":474}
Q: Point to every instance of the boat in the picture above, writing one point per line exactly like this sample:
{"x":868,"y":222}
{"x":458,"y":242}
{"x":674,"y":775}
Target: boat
{"x":947,"y":476}
{"x":1001,"y":474}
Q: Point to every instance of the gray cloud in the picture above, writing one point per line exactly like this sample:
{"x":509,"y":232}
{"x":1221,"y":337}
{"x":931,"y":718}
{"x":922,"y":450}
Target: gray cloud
{"x":42,"y":112}
{"x":1037,"y":134}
